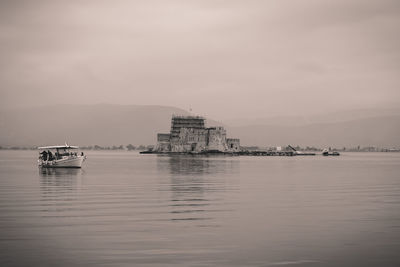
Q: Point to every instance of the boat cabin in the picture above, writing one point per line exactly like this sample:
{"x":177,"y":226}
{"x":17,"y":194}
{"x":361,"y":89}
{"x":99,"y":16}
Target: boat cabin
{"x":49,"y":153}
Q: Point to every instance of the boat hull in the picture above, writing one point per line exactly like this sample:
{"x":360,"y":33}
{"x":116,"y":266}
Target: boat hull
{"x":75,"y":162}
{"x":331,"y":154}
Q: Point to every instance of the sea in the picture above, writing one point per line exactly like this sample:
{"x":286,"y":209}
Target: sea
{"x":127,"y":209}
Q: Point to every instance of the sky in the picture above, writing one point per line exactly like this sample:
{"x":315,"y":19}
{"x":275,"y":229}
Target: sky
{"x":222,"y":59}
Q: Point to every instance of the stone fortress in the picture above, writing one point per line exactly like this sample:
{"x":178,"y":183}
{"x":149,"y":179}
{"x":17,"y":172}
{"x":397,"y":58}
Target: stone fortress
{"x":189,"y":135}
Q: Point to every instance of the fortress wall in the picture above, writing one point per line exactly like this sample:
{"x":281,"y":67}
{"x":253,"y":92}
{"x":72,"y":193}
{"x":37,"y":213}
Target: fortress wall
{"x":163,"y":144}
{"x":190,"y":140}
{"x":233,"y":144}
{"x":163,"y":137}
{"x":162,"y":147}
{"x":178,"y":122}
{"x":180,"y":148}
{"x":217,"y":139}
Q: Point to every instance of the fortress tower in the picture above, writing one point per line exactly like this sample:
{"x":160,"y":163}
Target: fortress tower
{"x":189,"y":135}
{"x":179,"y":122}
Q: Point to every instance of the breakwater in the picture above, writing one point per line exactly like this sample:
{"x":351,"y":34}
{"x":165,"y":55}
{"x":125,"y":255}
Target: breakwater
{"x":239,"y":153}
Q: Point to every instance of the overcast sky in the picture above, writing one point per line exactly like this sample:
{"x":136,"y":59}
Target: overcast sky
{"x":220,"y":58}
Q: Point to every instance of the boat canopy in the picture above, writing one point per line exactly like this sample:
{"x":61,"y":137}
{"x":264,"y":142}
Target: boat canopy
{"x":58,"y":147}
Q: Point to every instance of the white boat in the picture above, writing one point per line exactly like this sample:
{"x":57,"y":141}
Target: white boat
{"x":63,"y":156}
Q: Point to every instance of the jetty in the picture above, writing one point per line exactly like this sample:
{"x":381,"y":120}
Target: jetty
{"x":235,"y":153}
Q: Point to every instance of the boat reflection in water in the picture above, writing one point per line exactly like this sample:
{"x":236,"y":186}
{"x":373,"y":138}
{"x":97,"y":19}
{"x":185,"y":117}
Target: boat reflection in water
{"x":59,"y":172}
{"x":59,"y":185}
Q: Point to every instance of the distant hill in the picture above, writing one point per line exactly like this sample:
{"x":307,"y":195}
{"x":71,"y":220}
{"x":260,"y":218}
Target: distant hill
{"x":381,"y":131}
{"x":101,"y":124}
{"x":107,"y":125}
{"x":298,"y":120}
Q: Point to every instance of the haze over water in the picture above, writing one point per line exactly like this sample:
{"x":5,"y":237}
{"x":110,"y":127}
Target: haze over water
{"x":126,"y":209}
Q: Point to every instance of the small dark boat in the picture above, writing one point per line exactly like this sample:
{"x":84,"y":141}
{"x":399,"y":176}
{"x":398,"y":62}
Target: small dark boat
{"x":326,"y":152}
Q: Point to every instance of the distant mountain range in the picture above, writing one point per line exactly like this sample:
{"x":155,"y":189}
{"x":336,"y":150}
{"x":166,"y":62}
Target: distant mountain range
{"x":101,"y":124}
{"x":364,"y":127}
{"x":333,"y":117}
{"x":108,"y":125}
{"x":376,"y":131}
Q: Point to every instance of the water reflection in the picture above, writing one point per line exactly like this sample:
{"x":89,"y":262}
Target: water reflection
{"x":188,"y":166}
{"x":179,"y":165}
{"x":196,"y":185}
{"x":58,"y":185}
{"x":58,"y":172}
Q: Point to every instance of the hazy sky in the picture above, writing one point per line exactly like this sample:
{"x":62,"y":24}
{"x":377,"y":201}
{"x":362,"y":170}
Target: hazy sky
{"x":221,"y":58}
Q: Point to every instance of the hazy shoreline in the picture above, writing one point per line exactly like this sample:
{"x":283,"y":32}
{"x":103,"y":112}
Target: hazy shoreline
{"x":254,"y":148}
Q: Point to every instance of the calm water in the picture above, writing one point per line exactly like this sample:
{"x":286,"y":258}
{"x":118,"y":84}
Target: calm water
{"x":126,"y":209}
